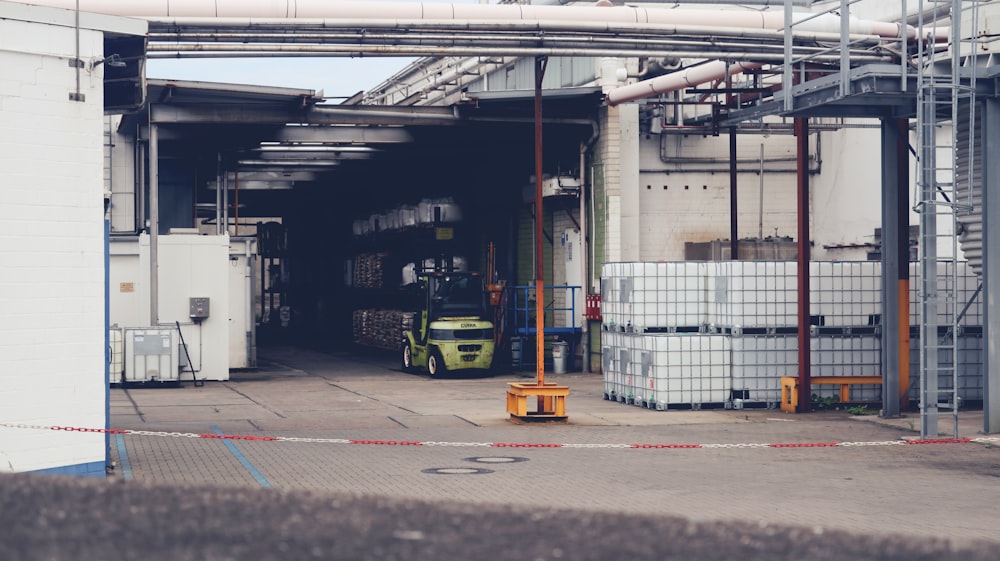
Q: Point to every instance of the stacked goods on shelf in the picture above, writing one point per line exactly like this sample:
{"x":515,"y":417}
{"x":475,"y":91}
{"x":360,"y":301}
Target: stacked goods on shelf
{"x":427,"y":211}
{"x":399,"y":242}
{"x":431,"y":211}
{"x":369,"y":270}
{"x":384,"y":329}
{"x":363,"y":326}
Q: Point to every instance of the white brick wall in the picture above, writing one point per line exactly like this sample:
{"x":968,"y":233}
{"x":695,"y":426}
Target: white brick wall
{"x":52,"y":250}
{"x":693,"y":206}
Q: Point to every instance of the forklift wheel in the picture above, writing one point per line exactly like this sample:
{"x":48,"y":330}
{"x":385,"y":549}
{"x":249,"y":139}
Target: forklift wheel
{"x":435,"y":363}
{"x":407,"y":357}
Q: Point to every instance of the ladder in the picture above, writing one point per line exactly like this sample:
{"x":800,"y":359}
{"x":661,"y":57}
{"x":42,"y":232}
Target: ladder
{"x":945,"y":157}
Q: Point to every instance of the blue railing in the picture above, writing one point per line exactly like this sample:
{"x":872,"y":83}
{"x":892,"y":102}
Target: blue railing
{"x":521,"y":315}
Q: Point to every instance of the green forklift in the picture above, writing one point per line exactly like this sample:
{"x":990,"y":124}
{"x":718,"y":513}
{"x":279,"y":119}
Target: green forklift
{"x":451,"y":329}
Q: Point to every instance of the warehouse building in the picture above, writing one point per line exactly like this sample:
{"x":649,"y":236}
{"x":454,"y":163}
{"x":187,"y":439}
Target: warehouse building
{"x":241,"y":215}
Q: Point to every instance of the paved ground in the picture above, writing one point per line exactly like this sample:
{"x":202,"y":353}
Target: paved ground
{"x":459,"y":496}
{"x":945,"y":491}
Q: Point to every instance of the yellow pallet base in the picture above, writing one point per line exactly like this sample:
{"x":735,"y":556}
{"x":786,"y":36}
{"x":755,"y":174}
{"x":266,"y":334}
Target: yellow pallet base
{"x":790,"y":388}
{"x":551,"y":406}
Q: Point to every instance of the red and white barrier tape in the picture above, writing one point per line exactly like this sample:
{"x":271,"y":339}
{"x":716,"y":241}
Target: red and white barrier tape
{"x":657,"y":446}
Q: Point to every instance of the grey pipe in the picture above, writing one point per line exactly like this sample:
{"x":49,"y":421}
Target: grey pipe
{"x":369,"y":51}
{"x":760,"y":202}
{"x":154,"y":224}
{"x":218,"y":196}
{"x":139,"y":185}
{"x":403,"y":44}
{"x":796,"y":3}
{"x":225,"y":203}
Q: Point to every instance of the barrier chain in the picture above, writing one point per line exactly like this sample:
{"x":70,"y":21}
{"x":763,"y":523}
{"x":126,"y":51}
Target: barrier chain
{"x":412,"y":443}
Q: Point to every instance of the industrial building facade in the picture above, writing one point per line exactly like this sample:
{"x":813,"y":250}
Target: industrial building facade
{"x":242,"y":212}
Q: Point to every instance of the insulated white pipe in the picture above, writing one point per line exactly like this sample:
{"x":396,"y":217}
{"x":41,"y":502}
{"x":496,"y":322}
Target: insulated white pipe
{"x":715,"y":70}
{"x":389,"y":11}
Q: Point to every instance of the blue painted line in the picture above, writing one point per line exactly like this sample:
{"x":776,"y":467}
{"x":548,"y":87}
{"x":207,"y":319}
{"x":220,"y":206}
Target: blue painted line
{"x":123,"y":457}
{"x":243,"y":460}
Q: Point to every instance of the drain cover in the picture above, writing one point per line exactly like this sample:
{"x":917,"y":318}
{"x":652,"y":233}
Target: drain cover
{"x":456,"y":471}
{"x":496,"y":459}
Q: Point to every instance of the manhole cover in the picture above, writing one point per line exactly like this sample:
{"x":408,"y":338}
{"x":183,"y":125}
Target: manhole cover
{"x":496,"y":459}
{"x":456,"y":471}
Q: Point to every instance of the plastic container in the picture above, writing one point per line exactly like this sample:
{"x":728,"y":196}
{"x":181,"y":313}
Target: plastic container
{"x":560,"y":352}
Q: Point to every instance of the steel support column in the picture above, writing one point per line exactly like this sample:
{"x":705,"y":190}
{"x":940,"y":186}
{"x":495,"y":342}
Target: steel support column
{"x":154,"y":224}
{"x":734,"y":238}
{"x":991,"y":270}
{"x":895,"y":271}
{"x":802,"y":160}
{"x":903,"y":257}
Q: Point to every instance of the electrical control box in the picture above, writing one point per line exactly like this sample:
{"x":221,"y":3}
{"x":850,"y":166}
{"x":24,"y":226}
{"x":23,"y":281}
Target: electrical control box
{"x":199,"y":308}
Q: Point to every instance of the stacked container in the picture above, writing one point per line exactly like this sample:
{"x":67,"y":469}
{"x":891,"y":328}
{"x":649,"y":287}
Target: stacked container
{"x":752,"y":295}
{"x":660,"y":317}
{"x":967,"y":294}
{"x":845,"y":294}
{"x":683,"y":369}
{"x":970,"y":368}
{"x":643,"y":297}
{"x":758,"y":363}
{"x":666,"y":370}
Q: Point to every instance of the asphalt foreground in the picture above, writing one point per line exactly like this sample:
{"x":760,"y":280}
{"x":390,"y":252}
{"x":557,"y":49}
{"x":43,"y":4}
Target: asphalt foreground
{"x":57,"y":518}
{"x":470,"y":484}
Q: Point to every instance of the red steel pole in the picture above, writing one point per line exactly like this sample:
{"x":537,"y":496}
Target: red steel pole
{"x":540,"y":63}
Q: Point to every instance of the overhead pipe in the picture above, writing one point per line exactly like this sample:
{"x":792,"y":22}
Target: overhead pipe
{"x":691,"y":76}
{"x":765,"y":3}
{"x":173,"y":27}
{"x":744,"y":42}
{"x":296,"y":9}
{"x":256,"y":51}
{"x":370,"y":38}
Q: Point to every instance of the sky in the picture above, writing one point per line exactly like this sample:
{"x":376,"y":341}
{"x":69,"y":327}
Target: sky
{"x":337,"y":77}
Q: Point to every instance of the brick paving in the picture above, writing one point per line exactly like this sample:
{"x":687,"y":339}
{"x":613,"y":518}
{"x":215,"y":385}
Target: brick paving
{"x":945,"y":491}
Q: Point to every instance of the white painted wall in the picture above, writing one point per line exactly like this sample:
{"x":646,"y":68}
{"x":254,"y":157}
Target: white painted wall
{"x":846,"y":205}
{"x":619,"y":158}
{"x":565,"y":232}
{"x":52,"y":352}
{"x":678,"y":205}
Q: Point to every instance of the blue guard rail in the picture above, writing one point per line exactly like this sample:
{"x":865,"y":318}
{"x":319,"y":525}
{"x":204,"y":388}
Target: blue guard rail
{"x":521,"y":315}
